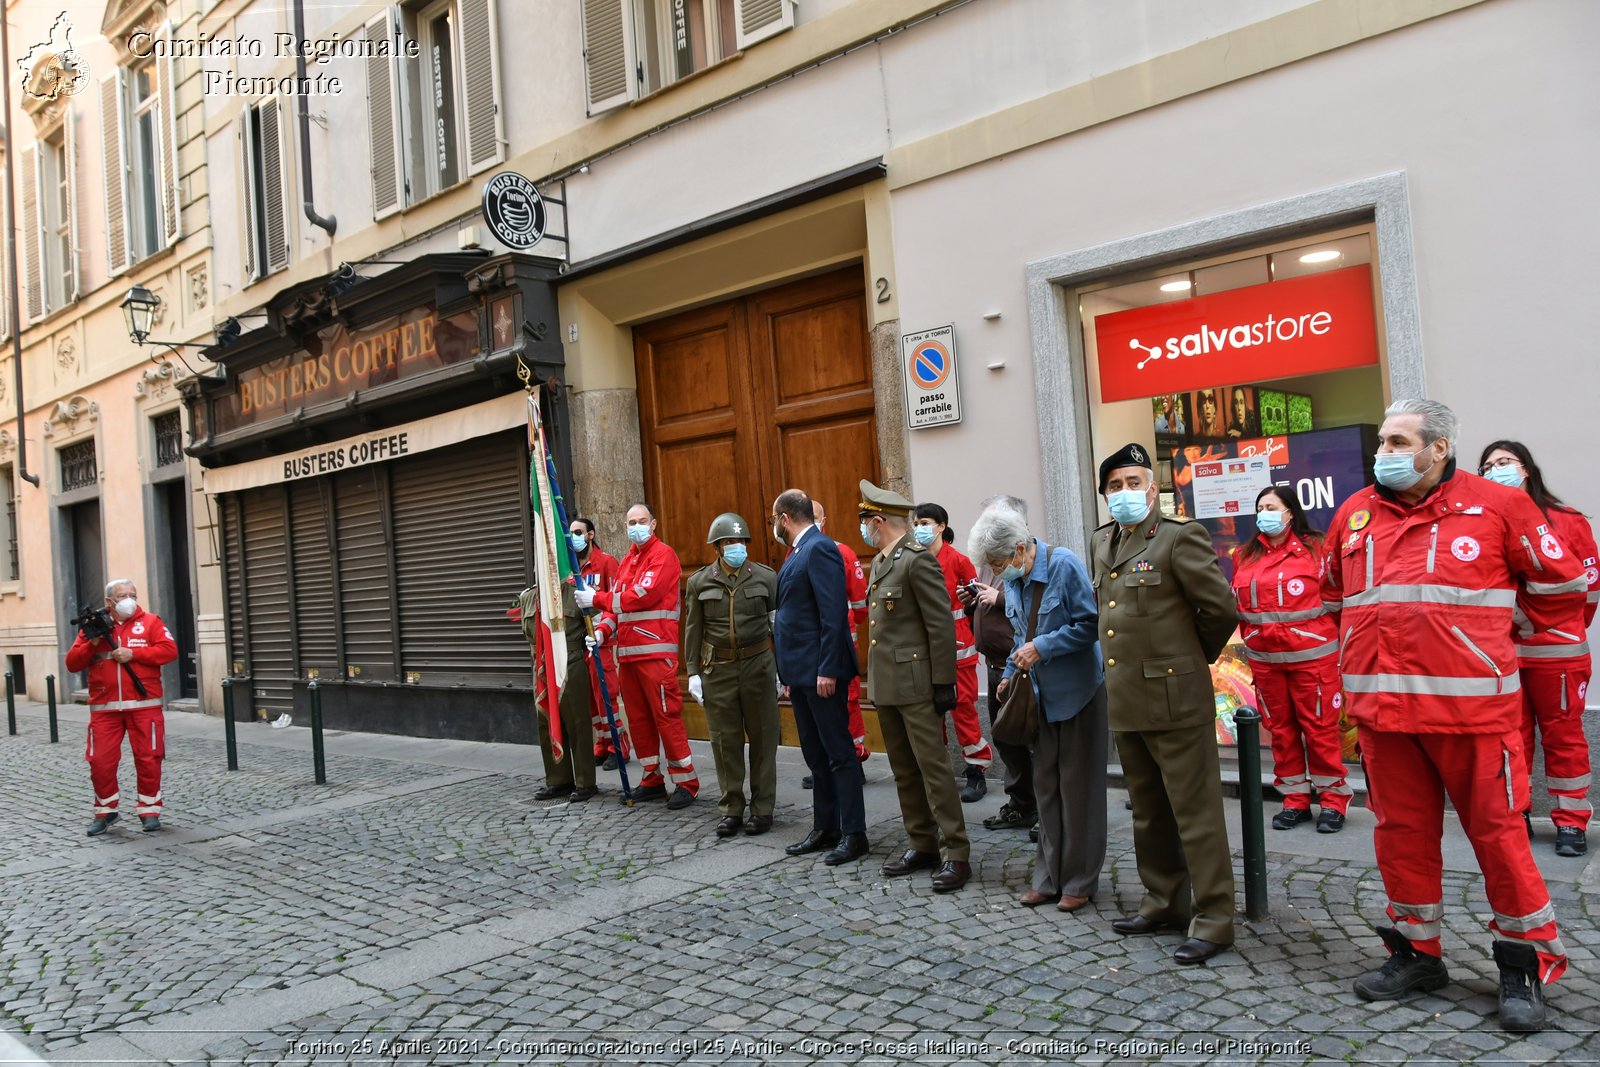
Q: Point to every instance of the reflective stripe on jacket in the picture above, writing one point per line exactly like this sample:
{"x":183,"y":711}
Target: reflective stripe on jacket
{"x":1281,"y":615}
{"x":645,"y":602}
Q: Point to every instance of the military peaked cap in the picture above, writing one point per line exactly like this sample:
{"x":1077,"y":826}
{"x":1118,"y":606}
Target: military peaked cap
{"x":876,"y":501}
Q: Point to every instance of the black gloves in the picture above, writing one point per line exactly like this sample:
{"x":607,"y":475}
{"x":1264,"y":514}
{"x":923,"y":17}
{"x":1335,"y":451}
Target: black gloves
{"x":944,"y":699}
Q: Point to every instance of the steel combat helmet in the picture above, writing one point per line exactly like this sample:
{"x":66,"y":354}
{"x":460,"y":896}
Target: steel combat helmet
{"x":728,"y":525}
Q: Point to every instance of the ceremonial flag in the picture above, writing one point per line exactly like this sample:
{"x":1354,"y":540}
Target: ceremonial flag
{"x":552,"y":570}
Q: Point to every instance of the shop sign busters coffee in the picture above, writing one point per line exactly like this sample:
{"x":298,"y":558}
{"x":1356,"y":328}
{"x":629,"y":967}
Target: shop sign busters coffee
{"x":933,"y":397}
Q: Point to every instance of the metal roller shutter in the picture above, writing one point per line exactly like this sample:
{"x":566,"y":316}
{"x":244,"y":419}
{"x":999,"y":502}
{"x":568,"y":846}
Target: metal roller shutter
{"x":315,"y":595}
{"x":364,"y":592}
{"x":461,"y":555}
{"x":266,"y":576}
{"x":233,"y":574}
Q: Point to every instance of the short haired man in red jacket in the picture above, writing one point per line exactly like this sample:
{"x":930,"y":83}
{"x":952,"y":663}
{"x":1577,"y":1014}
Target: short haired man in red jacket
{"x":119,"y":666}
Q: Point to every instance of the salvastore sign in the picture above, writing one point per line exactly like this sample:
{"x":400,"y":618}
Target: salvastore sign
{"x":338,"y":361}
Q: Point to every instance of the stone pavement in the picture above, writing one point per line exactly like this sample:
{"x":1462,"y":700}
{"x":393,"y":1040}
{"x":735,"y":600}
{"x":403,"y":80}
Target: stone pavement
{"x":420,"y":908}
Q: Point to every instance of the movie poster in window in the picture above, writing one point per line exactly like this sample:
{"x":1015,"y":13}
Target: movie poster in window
{"x":1210,"y":414}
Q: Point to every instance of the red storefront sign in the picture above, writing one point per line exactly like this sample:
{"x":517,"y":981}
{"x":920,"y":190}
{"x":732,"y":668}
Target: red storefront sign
{"x":1320,"y":322}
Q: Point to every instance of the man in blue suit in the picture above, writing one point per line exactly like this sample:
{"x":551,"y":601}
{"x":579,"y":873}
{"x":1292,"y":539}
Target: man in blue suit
{"x":816,"y":660}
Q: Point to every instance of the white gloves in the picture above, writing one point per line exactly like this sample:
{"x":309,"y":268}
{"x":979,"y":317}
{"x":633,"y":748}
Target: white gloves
{"x":594,"y":641}
{"x":697,"y":689}
{"x":584,"y":597}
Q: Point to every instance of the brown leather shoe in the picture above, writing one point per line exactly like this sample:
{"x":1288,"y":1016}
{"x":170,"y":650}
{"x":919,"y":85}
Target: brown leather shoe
{"x":730,"y":825}
{"x":758,"y":824}
{"x":1068,"y":902}
{"x":1033,"y":898}
{"x":911,"y":860}
{"x":1196,"y":950}
{"x":952,"y":876}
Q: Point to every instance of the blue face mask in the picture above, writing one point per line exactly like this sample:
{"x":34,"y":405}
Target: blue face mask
{"x":1011,"y":573}
{"x":1396,"y":470}
{"x":1129,"y":506}
{"x":1272,"y":523}
{"x":924,"y":534}
{"x":735,"y":555}
{"x":580,"y":543}
{"x":1510,"y":475}
{"x":639,"y":534}
{"x":866,"y":535}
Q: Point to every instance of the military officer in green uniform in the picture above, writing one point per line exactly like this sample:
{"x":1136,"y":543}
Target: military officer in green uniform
{"x":911,"y":678}
{"x":1166,"y":612}
{"x":727,"y":651}
{"x":571,"y":776}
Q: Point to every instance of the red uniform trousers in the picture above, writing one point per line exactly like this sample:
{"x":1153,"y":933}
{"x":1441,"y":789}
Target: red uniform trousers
{"x":1553,"y":698}
{"x":147,"y":736}
{"x":1408,"y":775}
{"x":969,"y":734}
{"x":858,"y":725}
{"x":1301,"y":706}
{"x":602,"y":729}
{"x":655,"y":718}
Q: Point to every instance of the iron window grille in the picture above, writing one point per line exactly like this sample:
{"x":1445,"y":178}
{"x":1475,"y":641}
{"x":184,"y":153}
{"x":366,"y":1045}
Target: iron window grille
{"x":169,"y":438}
{"x":79,"y":468}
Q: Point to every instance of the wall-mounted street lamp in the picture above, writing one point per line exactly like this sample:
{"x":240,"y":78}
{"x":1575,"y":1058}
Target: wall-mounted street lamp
{"x":139,"y":312}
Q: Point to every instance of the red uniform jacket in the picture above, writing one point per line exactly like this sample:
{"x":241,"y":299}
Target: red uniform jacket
{"x":599,"y":569}
{"x":1423,"y":597}
{"x":110,"y":689}
{"x":645,"y":602}
{"x":855,"y":587}
{"x":958,"y":570}
{"x":1281,"y":615}
{"x":1554,"y":647}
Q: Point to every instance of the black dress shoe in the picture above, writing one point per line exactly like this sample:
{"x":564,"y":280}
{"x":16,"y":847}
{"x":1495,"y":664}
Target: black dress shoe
{"x":911,"y":860}
{"x":952,"y":876}
{"x":815,"y":841}
{"x":100,"y":822}
{"x":730,"y":825}
{"x":808,"y":782}
{"x":1196,"y":950}
{"x":580,"y":795}
{"x":650,"y":792}
{"x":758,"y":824}
{"x":681,"y":798}
{"x":1138,"y":924}
{"x":550,"y":792}
{"x":851,"y":848}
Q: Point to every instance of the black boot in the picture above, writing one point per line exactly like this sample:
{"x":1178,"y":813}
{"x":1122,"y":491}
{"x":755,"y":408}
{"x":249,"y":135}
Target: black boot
{"x":1521,"y":992}
{"x":976,"y":788}
{"x":1406,"y":969}
{"x":98,"y":826}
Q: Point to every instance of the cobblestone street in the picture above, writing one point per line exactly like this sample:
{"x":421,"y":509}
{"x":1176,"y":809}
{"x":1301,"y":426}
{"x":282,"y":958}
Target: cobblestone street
{"x":421,"y":908}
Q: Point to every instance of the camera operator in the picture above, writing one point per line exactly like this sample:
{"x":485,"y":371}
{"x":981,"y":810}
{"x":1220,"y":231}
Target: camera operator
{"x":124,"y":648}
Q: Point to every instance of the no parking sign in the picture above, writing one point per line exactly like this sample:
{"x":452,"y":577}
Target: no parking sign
{"x":932,"y":395}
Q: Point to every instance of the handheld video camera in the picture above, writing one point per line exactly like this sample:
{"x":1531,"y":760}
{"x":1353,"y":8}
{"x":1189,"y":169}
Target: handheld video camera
{"x":96,"y":625}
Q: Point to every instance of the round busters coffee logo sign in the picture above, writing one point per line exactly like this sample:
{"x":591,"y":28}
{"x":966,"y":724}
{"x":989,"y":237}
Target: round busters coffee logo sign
{"x":514,"y":211}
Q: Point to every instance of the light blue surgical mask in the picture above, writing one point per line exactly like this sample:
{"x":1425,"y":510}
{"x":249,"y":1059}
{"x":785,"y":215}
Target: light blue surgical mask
{"x":1011,"y":573}
{"x":1396,"y":470}
{"x":1272,"y":523}
{"x":1128,"y":506}
{"x":866,"y":535}
{"x":580,"y":543}
{"x":639,"y":534}
{"x":735,"y":555}
{"x":1510,"y":475}
{"x":924,"y":535}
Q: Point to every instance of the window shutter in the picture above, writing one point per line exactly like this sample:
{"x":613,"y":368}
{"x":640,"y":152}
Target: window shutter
{"x":112,"y":124}
{"x":756,"y":20}
{"x":383,"y":122}
{"x":74,"y":205}
{"x":32,"y":275}
{"x":247,"y":201}
{"x":480,"y":79}
{"x":273,"y":194}
{"x":609,"y":54}
{"x":5,"y":280}
{"x":167,"y":123}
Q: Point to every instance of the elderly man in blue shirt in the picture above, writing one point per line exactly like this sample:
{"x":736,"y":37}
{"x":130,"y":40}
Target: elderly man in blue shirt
{"x":1061,"y":659}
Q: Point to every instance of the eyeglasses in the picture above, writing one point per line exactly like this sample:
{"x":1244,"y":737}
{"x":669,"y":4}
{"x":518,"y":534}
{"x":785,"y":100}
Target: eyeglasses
{"x":1503,"y":461}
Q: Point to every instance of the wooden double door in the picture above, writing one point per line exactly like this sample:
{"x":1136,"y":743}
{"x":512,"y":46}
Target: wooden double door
{"x":746,"y":398}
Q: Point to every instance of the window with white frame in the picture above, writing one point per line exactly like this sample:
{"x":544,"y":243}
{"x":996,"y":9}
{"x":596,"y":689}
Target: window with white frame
{"x":10,"y":568}
{"x":635,"y":47}
{"x":139,"y":153}
{"x":263,"y":163}
{"x":49,"y":219}
{"x":435,"y":121}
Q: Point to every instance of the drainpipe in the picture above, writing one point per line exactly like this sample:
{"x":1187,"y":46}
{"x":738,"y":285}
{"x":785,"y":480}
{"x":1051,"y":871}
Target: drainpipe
{"x":11,"y":253}
{"x":330,"y":223}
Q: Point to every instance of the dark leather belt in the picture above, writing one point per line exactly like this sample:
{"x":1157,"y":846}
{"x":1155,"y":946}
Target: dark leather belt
{"x":730,"y":655}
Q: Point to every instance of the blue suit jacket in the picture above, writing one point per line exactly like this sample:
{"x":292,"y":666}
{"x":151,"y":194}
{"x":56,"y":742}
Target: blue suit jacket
{"x":811,"y":631}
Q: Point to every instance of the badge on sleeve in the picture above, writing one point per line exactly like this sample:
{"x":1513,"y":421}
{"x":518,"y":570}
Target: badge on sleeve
{"x":1360,"y":519}
{"x":1465,"y":549}
{"x":648,"y":580}
{"x":1550,"y":546}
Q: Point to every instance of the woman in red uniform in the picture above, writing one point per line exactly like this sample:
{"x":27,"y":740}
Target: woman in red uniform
{"x":1555,"y":663}
{"x":932,"y":531}
{"x":1293,"y":648}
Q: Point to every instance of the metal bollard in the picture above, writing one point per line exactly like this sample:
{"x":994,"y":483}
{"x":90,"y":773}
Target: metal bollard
{"x":50,"y":697}
{"x":1248,"y":734}
{"x":227,"y":724}
{"x":315,"y":692}
{"x":11,"y":703}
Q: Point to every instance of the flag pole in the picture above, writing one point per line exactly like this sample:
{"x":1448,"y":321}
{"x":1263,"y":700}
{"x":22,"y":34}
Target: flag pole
{"x":599,"y":671}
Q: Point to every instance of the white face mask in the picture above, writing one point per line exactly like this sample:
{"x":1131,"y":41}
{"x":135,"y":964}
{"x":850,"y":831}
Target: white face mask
{"x":127,"y":606}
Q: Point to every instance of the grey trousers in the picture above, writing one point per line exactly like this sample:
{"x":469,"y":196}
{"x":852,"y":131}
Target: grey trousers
{"x":1069,"y":781}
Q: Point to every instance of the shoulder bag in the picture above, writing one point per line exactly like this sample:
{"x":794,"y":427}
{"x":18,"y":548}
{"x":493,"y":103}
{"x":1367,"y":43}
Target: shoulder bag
{"x":1017,"y":722}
